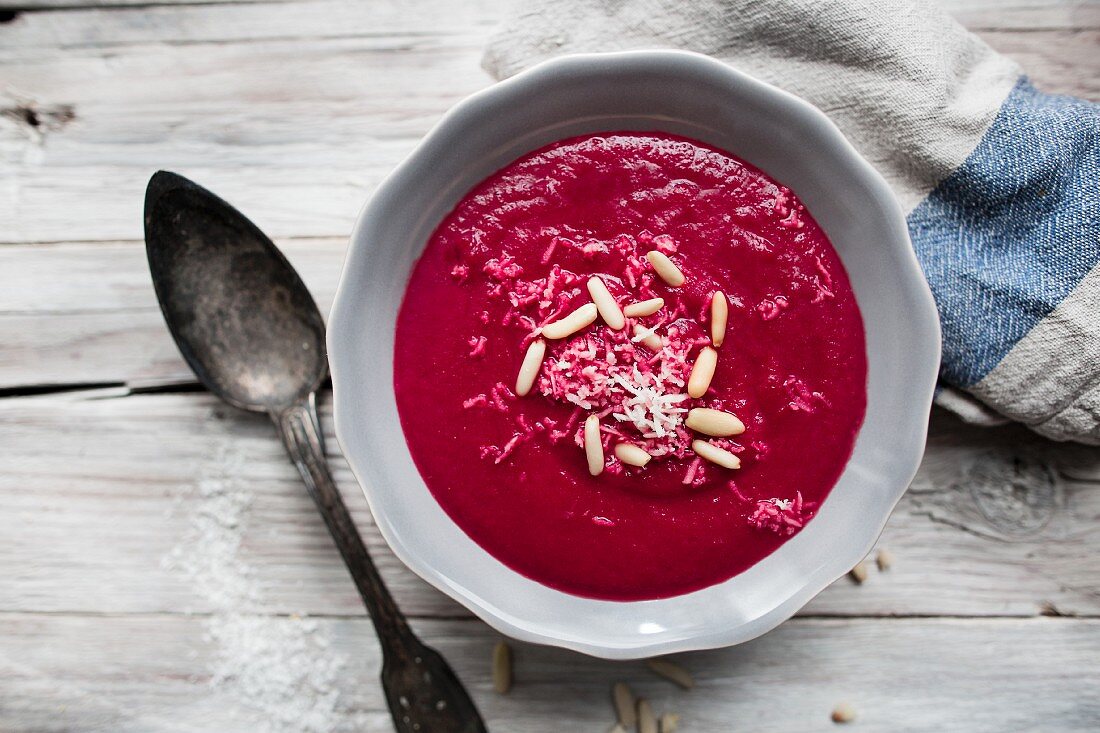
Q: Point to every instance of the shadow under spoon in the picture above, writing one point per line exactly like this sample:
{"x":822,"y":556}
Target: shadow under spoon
{"x":248,"y":327}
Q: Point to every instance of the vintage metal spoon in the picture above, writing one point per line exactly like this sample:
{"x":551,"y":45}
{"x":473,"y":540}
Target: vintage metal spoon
{"x":246,"y":324}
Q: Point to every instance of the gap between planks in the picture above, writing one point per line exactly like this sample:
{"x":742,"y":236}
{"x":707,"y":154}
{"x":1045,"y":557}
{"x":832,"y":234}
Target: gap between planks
{"x":977,"y":15}
{"x":467,"y":617}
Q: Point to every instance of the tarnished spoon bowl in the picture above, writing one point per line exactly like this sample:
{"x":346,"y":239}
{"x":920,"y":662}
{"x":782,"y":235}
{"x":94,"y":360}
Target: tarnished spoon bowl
{"x":240,"y":314}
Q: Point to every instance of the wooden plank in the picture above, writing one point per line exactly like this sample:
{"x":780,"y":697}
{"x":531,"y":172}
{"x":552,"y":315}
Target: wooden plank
{"x":87,"y":312}
{"x":202,"y":506}
{"x":295,"y":130}
{"x":264,"y":20}
{"x":230,"y":674}
{"x":417,"y":21}
{"x":983,"y":14}
{"x":86,"y":348}
{"x":103,"y":277}
{"x":296,"y":133}
{"x":203,"y":510}
{"x":1053,"y":58}
{"x":294,"y":125}
{"x":1025,"y":16}
{"x":76,"y":5}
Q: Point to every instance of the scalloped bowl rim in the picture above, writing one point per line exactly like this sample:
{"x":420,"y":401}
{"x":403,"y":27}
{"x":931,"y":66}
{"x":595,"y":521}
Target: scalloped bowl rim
{"x":413,"y":198}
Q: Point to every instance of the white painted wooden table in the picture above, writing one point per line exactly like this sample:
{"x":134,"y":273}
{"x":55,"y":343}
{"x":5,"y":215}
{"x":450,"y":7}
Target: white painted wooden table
{"x":161,"y":567}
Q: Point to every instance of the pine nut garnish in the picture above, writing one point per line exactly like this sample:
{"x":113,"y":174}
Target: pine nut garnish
{"x":714,"y":454}
{"x":715,"y":423}
{"x":605,"y":304}
{"x":843,"y":713}
{"x":648,"y":337}
{"x":593,"y":445}
{"x":529,"y":369}
{"x":647,"y":722}
{"x":702,"y":371}
{"x":631,"y":454}
{"x":672,"y":672}
{"x":884,"y":560}
{"x":665,"y":268}
{"x":502,"y":667}
{"x":644,"y":308}
{"x":719,"y":314}
{"x":859,"y":573}
{"x":624,"y":704}
{"x":670,"y":722}
{"x":575,"y":321}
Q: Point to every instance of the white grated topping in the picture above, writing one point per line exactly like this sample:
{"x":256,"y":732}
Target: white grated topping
{"x":647,"y":405}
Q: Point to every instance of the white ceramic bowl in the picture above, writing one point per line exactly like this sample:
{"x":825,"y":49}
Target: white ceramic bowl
{"x":686,"y":94}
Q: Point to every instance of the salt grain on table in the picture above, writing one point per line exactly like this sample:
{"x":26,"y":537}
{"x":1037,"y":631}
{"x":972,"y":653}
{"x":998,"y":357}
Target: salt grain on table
{"x":281,"y":668}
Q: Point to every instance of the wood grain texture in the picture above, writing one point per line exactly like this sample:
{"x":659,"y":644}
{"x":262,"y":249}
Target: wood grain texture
{"x":995,"y":524}
{"x":219,"y":23}
{"x":292,"y":111}
{"x":1041,"y":13}
{"x":161,"y":566}
{"x":137,"y":674}
{"x":1025,"y":16}
{"x":86,"y":313}
{"x":1059,"y":61}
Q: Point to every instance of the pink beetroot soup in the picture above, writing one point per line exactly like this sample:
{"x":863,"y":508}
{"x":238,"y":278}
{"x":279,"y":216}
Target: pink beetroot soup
{"x":516,"y":254}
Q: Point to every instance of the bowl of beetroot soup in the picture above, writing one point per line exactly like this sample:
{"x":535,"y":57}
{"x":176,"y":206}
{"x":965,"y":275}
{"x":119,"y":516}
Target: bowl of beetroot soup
{"x":632,"y":354}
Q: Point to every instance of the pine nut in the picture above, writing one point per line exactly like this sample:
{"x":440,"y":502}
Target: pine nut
{"x":605,"y":304}
{"x":529,"y":369}
{"x":670,"y":722}
{"x":719,"y":314}
{"x":647,"y":723}
{"x":859,"y":573}
{"x":672,"y":672}
{"x":665,"y":268}
{"x":651,"y":340}
{"x":714,"y":454}
{"x":631,"y":454}
{"x":716,"y":423}
{"x":884,"y":560}
{"x":843,"y":713}
{"x":593,"y":445}
{"x":644,"y":308}
{"x":702,"y":371}
{"x":502,"y":667}
{"x":575,"y":321}
{"x":624,"y":704}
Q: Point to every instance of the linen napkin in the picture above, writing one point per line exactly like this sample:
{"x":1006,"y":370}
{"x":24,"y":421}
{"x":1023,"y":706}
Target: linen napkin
{"x":1000,"y":182}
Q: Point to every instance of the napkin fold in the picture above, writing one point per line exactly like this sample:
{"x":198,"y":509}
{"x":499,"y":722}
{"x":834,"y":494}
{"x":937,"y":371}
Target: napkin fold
{"x":999,"y":181}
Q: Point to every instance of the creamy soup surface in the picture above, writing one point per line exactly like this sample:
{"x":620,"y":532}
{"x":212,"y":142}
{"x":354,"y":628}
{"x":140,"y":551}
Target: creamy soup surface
{"x":650,"y":451}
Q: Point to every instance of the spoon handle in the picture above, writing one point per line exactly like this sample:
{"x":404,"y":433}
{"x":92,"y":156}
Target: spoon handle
{"x":300,"y":430}
{"x":422,"y":691}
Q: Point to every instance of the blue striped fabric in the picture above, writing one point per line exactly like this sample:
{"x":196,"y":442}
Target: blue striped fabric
{"x":1013,"y":230}
{"x":1010,"y":240}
